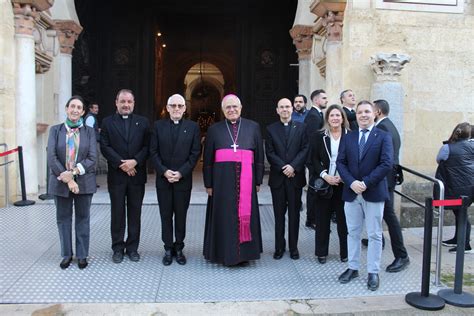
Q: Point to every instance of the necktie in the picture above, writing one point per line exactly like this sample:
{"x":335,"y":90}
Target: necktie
{"x":362,"y":142}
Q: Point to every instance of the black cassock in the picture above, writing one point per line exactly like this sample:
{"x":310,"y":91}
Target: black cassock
{"x":221,"y":235}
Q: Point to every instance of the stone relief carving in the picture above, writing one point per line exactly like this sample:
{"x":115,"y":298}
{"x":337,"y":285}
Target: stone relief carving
{"x":387,"y":67}
{"x":332,"y":21}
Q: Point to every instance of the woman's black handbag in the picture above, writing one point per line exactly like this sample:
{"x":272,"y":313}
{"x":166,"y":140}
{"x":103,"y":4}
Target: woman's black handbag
{"x":321,"y":188}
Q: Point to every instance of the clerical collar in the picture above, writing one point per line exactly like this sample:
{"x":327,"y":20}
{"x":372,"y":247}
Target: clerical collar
{"x":125,"y":117}
{"x":175,"y":122}
{"x":231,"y":123}
{"x":286,"y":123}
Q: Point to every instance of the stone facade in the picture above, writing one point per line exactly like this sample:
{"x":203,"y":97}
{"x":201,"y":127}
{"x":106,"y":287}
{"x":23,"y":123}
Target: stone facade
{"x":7,"y":93}
{"x":438,"y":82}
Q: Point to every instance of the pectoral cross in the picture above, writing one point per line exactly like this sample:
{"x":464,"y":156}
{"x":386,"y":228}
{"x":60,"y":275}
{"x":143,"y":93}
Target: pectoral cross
{"x":235,"y":147}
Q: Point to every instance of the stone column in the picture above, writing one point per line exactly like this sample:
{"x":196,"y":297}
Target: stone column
{"x":68,"y":31}
{"x":387,"y":68}
{"x":303,"y":40}
{"x":25,"y":16}
{"x":332,"y":21}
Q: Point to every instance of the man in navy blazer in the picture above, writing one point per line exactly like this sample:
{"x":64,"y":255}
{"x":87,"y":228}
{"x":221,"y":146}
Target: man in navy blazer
{"x":287,"y":149}
{"x":174,"y":150}
{"x":364,"y":160}
{"x":124,"y":143}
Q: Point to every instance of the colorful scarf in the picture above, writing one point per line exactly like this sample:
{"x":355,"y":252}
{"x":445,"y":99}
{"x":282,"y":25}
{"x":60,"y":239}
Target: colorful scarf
{"x":72,"y":142}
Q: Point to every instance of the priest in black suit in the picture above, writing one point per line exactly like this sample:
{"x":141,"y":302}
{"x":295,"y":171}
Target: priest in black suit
{"x":314,"y":122}
{"x":348,"y":102}
{"x":400,"y":253}
{"x":174,"y":150}
{"x":233,"y":172}
{"x":124,"y":143}
{"x":287,"y":149}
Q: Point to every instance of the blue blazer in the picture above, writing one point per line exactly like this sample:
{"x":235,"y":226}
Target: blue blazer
{"x":374,"y":165}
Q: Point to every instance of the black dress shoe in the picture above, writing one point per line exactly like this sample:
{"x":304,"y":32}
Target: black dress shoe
{"x":65,"y":263}
{"x":133,"y":256}
{"x":348,"y":275}
{"x":322,"y":260}
{"x":373,"y":281}
{"x":294,"y":254}
{"x":82,"y":263}
{"x":365,"y":242}
{"x":243,"y":264}
{"x":117,"y":257}
{"x":278,"y":254}
{"x":398,"y":265}
{"x":168,"y":258}
{"x":310,"y":225}
{"x":344,"y":259}
{"x":180,"y":258}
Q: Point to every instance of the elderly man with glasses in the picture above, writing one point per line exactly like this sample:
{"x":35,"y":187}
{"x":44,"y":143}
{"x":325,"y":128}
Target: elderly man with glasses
{"x":175,"y":149}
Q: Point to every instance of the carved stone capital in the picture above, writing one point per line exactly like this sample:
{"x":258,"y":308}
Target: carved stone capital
{"x":387,"y":67}
{"x":303,"y":40}
{"x":25,"y":17}
{"x":333,"y":23}
{"x":68,"y":31}
{"x":46,"y":43}
{"x":322,"y":7}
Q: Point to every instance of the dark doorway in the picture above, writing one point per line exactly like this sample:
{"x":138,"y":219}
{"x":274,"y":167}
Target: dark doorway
{"x":247,"y":41}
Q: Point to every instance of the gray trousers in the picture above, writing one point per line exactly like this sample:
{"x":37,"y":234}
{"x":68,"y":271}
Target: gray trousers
{"x":82,"y":206}
{"x":357,"y":212}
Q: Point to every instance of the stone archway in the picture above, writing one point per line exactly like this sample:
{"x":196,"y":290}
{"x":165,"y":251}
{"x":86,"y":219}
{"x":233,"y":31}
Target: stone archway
{"x":204,"y":88}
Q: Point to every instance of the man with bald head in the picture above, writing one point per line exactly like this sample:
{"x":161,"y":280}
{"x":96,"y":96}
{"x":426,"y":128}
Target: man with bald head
{"x":287,"y":149}
{"x":233,"y":172}
{"x":174,"y":149}
{"x":124,"y":143}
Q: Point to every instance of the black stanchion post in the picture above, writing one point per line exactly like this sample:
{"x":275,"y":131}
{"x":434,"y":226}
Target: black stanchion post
{"x":457,"y":297}
{"x":24,"y":201}
{"x":425,"y":300}
{"x":46,"y":196}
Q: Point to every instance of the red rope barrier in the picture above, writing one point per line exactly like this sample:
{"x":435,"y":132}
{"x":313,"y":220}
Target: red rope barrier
{"x":457,"y":202}
{"x":8,"y":152}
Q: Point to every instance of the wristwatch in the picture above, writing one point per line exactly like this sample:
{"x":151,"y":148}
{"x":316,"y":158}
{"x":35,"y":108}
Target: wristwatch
{"x":74,"y":172}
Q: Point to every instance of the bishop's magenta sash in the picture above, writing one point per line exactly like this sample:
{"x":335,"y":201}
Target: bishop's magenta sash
{"x":245,"y":157}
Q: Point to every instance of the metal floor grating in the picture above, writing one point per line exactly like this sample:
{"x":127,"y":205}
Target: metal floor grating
{"x":30,"y":273}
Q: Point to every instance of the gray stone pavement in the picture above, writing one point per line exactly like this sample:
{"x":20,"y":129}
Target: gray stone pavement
{"x":378,"y":303}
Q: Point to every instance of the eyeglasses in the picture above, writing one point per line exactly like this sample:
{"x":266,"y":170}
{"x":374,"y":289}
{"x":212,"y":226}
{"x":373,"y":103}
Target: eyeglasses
{"x":174,"y":106}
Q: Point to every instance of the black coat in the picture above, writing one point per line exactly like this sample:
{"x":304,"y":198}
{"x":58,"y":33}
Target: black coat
{"x":181,"y":155}
{"x":280,"y":152}
{"x":320,"y":156}
{"x":387,"y":125}
{"x":351,"y":117}
{"x":115,"y":147}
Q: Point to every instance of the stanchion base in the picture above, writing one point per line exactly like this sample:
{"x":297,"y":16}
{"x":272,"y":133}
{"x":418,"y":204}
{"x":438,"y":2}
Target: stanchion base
{"x":24,"y":203}
{"x":45,"y":196}
{"x":431,"y":302}
{"x":462,"y":300}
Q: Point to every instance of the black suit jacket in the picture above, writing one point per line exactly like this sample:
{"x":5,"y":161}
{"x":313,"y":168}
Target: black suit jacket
{"x":313,"y":122}
{"x":115,"y":147}
{"x":351,"y":117}
{"x":321,"y":154}
{"x":181,"y":156}
{"x":387,"y":125}
{"x":280,"y":152}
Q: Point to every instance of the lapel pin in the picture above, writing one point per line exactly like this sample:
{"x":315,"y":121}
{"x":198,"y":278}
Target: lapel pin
{"x":185,"y":131}
{"x":136,"y":123}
